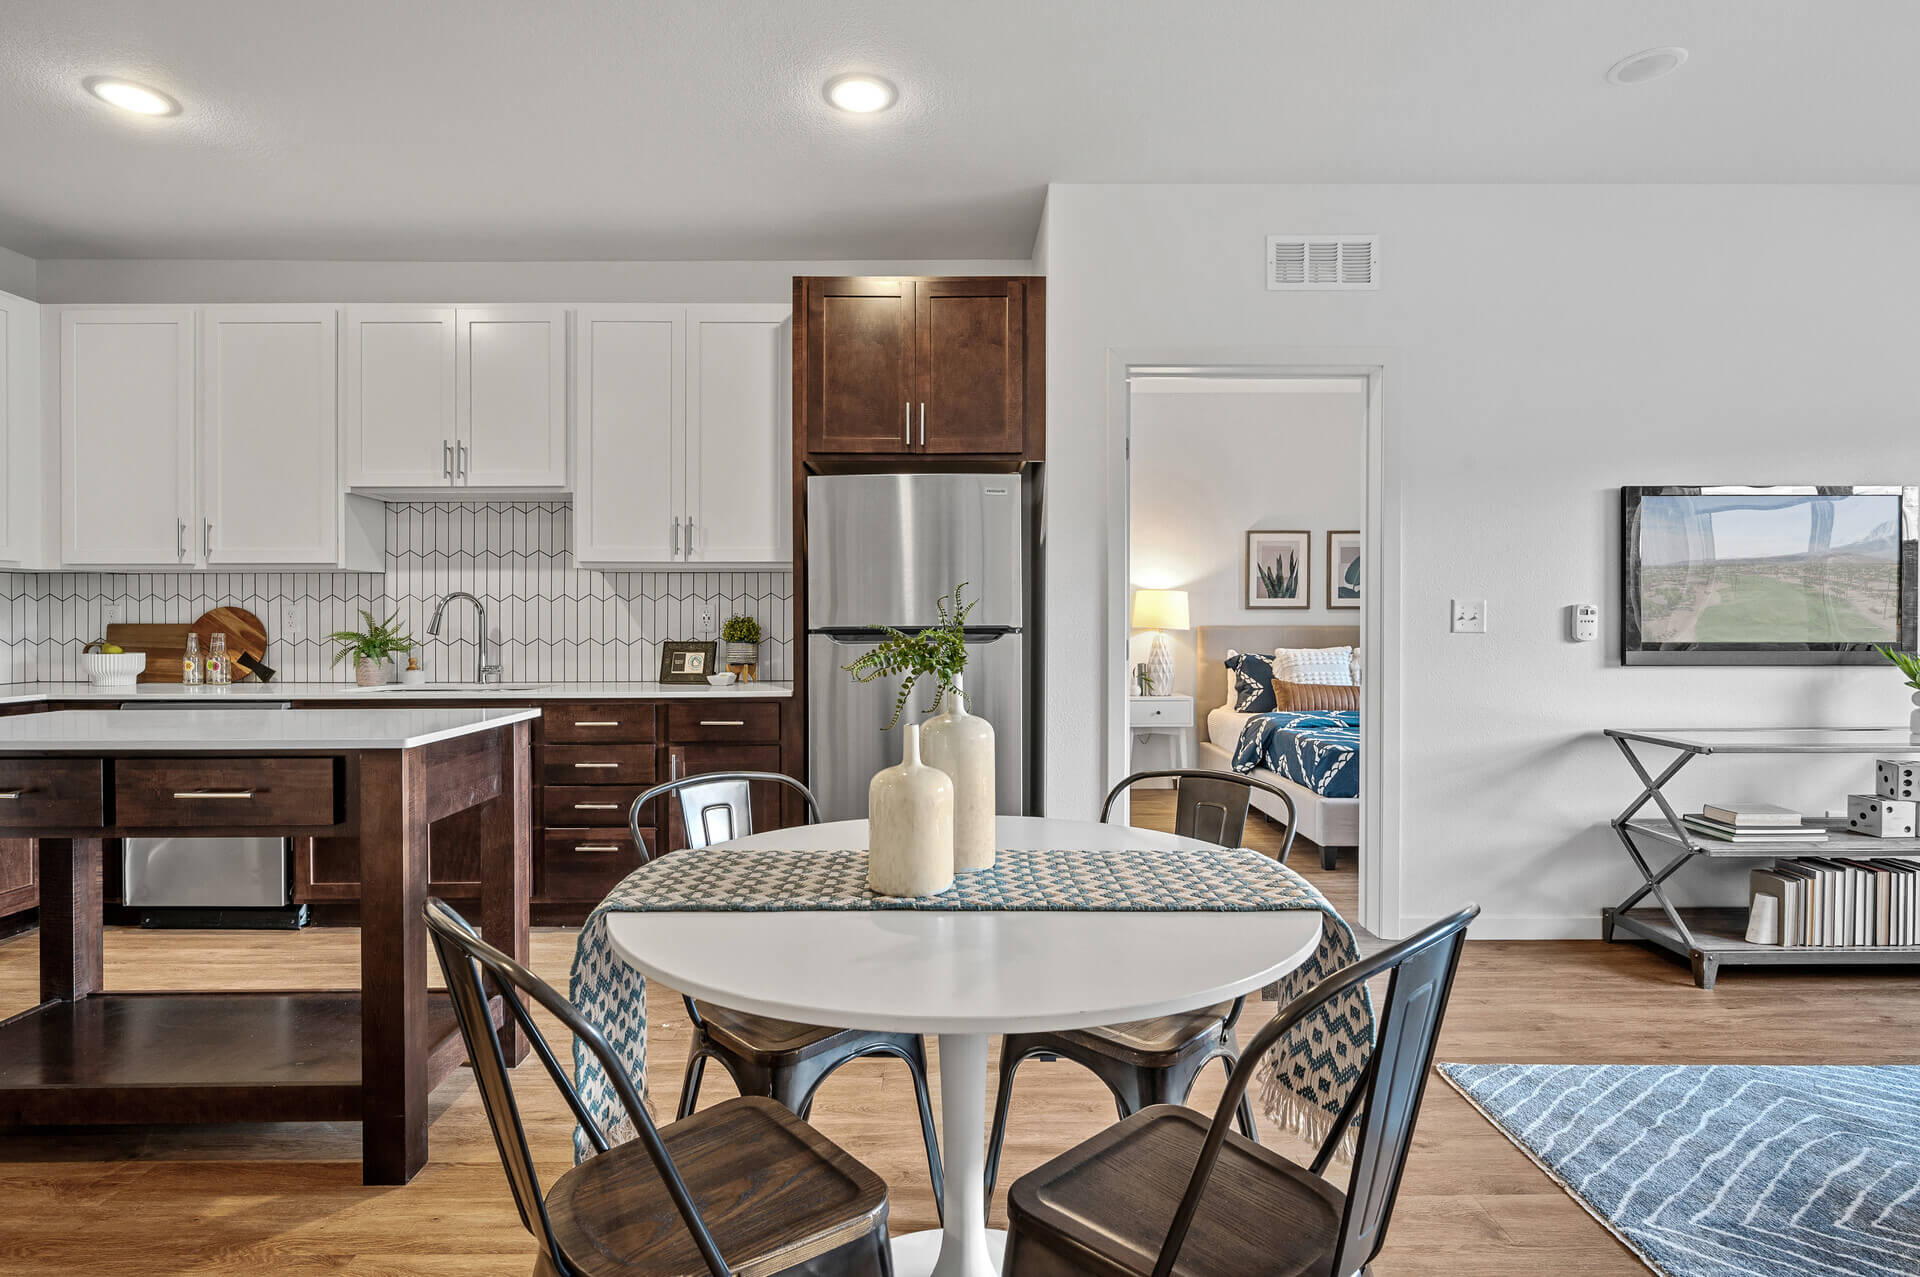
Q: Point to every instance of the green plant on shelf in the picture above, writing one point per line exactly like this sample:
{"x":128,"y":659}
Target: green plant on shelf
{"x":1906,"y":662}
{"x":380,"y":641}
{"x":741,"y":629}
{"x":938,"y":652}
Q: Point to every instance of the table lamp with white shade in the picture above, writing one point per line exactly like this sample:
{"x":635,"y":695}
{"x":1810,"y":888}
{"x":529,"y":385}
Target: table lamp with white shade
{"x":1160,"y":611}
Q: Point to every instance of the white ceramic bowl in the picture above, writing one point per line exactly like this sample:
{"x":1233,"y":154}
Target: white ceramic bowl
{"x":114,"y":669}
{"x":721,"y":680}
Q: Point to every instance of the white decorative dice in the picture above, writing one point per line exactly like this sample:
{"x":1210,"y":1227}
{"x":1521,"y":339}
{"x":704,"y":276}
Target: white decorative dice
{"x":1897,"y":778}
{"x":1882,"y":817}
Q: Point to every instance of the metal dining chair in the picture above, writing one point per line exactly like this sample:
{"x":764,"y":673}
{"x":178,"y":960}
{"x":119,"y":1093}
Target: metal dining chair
{"x":1154,"y":1061}
{"x":745,"y":1187}
{"x":779,"y":1059}
{"x":1101,"y":1209}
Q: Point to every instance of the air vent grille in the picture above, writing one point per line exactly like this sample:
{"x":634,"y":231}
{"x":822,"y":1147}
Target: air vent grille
{"x":1323,"y":261}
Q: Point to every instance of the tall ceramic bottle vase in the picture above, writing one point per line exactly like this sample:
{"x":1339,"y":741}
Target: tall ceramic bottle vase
{"x":961,"y":745}
{"x":910,"y":818}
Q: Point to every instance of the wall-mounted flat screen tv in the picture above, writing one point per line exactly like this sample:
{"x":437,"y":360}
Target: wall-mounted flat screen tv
{"x":1767,"y":576}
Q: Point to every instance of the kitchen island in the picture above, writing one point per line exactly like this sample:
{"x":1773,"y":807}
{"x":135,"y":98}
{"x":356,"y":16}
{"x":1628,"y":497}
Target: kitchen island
{"x":371,"y":779}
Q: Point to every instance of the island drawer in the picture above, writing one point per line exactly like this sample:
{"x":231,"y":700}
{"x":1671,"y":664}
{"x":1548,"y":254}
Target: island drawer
{"x":596,"y":764}
{"x":50,"y":792}
{"x":726,"y":721}
{"x":586,"y":864}
{"x":186,"y":793}
{"x":597,"y":723}
{"x":598,"y":805}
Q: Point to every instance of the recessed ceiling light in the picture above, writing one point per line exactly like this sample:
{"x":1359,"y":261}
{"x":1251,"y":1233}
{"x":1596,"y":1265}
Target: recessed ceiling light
{"x":860,"y":94}
{"x":128,"y":96}
{"x":1648,"y":64}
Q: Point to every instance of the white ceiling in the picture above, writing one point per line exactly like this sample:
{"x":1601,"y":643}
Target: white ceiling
{"x":685,"y":129}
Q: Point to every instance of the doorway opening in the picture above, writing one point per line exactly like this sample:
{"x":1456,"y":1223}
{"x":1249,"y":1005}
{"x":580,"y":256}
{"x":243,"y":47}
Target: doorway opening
{"x":1247,"y":496}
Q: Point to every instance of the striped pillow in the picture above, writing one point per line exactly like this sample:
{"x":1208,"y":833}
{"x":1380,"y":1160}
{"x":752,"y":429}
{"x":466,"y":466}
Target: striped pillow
{"x":1323,"y":698}
{"x":1331,"y":666}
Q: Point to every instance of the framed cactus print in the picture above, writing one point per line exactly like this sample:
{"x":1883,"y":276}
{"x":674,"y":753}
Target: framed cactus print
{"x":1279,"y":571}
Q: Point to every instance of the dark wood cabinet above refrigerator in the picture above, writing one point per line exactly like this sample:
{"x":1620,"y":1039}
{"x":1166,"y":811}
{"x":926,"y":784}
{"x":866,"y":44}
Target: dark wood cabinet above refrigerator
{"x":938,"y":369}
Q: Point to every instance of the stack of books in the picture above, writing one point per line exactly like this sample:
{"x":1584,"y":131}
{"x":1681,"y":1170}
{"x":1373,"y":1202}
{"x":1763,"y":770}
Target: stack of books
{"x":1837,"y":903}
{"x":1752,"y":824}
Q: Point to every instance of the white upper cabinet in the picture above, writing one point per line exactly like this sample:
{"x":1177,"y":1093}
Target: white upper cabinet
{"x":269,"y":480}
{"x":466,"y":397}
{"x":739,"y":445}
{"x":511,"y":416}
{"x":630,"y":389}
{"x":399,"y":420}
{"x":20,"y":430}
{"x":683,"y":451}
{"x":127,"y":419}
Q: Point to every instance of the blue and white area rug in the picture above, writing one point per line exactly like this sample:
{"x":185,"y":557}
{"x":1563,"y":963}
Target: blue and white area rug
{"x":1726,"y":1170}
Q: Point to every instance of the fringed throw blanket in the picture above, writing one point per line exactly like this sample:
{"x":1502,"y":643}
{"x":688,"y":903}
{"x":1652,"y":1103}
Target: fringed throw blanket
{"x":1303,"y":1083}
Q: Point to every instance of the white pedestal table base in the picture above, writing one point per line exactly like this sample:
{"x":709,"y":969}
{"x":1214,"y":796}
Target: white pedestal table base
{"x":964,"y":1247}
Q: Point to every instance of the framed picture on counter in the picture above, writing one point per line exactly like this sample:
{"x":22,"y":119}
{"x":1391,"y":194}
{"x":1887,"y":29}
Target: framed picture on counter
{"x":687,"y":662}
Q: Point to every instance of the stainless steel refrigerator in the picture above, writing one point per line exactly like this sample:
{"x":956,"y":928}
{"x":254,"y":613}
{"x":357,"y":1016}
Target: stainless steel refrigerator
{"x":881,"y":550}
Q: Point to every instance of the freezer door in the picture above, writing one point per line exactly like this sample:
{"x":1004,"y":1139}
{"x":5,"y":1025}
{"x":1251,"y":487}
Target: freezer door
{"x":846,"y":743}
{"x":883,"y":548}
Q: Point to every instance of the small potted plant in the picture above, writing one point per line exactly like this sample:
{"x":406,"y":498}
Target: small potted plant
{"x":742,"y":635}
{"x":371,"y":649}
{"x":1908,"y":664}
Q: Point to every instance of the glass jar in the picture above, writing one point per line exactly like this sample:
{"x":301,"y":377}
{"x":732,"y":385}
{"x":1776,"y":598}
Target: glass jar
{"x":218,"y":671}
{"x":191,"y":672}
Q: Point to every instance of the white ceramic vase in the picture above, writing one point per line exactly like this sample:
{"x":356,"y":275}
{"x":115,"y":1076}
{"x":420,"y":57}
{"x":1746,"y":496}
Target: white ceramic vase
{"x":961,"y":745}
{"x":910,"y":817}
{"x":1913,"y":720}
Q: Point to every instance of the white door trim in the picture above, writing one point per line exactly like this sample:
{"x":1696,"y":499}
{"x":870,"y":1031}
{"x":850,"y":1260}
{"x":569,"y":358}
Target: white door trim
{"x":1380,"y":618}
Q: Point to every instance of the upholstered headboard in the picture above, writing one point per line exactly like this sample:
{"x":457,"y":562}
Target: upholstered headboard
{"x":1214,"y":640}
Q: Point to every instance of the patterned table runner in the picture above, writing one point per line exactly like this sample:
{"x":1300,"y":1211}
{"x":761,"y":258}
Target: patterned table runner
{"x":1303,"y":1084}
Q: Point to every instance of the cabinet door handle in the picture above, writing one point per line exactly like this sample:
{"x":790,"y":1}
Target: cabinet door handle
{"x":923,"y":425}
{"x":207,"y":539}
{"x":214,"y":793}
{"x":596,"y":764}
{"x":676,"y":536}
{"x":596,"y":846}
{"x":180,"y":540}
{"x":723,"y":722}
{"x":673,"y":767}
{"x":460,"y":451}
{"x":907,"y":410}
{"x":689,"y":536}
{"x":446,"y":457}
{"x":597,"y":722}
{"x":11,"y":793}
{"x":596,"y":806}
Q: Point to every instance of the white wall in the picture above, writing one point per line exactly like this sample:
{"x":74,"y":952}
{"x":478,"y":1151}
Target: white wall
{"x":19,"y":275}
{"x":1207,"y":468}
{"x":1547,"y":345}
{"x":191,"y":281}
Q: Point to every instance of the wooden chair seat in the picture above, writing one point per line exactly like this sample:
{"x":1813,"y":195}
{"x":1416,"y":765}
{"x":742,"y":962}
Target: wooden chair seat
{"x":1104,"y":1207}
{"x":1159,"y":1041}
{"x":767,"y":1041}
{"x":773,"y":1191}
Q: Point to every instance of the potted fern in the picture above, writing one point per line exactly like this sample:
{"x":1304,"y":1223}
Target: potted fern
{"x":372,"y":648}
{"x":1909,"y":665}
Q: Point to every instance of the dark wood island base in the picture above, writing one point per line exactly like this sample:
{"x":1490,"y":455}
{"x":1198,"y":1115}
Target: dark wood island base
{"x":89,"y":1056}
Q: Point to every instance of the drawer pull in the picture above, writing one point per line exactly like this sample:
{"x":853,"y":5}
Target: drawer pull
{"x":596,"y":764}
{"x":11,"y":793}
{"x":214,"y":793}
{"x":723,"y":722}
{"x":596,"y":846}
{"x":596,"y":806}
{"x":596,"y":723}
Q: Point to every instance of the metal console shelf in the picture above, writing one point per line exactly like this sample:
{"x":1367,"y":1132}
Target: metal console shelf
{"x":1712,"y":938}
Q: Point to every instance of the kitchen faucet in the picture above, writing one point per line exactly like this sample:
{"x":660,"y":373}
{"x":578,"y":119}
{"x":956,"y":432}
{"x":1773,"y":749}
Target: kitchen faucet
{"x":483,"y":673}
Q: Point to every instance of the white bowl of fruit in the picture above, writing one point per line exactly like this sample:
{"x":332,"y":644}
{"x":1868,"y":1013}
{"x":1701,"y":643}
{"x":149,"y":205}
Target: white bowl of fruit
{"x":110,"y":665}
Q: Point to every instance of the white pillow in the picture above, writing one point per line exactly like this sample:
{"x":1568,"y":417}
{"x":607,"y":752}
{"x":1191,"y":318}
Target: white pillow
{"x":1327,"y":666}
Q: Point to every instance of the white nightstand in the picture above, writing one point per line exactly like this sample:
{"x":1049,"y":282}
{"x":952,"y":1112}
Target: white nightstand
{"x":1171,"y":716}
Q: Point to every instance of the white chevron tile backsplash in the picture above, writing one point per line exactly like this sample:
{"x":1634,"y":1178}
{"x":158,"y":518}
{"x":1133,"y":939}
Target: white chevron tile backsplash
{"x":554,"y":622}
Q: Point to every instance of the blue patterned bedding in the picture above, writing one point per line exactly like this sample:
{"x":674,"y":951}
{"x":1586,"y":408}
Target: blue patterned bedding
{"x":1319,"y":751}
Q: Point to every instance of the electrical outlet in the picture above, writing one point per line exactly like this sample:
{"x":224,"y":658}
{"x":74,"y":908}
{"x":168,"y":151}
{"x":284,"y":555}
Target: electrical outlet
{"x":289,"y":620}
{"x":1469,"y":616}
{"x":113,"y":614}
{"x":704,"y":622}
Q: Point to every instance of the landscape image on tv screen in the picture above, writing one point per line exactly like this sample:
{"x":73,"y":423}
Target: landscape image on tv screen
{"x":1770,"y":568}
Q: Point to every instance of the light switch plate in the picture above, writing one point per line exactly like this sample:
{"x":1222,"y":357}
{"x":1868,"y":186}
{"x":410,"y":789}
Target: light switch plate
{"x":1469,"y":616}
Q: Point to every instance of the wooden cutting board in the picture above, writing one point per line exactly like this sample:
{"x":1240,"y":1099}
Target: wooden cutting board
{"x":165,"y":646}
{"x":243,"y":630}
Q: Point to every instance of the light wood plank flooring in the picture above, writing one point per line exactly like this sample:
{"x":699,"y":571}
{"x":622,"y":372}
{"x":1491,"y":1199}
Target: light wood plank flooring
{"x":288,"y":1199}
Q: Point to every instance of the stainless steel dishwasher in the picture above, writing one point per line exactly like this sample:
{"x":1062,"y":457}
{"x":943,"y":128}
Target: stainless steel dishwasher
{"x":211,"y":882}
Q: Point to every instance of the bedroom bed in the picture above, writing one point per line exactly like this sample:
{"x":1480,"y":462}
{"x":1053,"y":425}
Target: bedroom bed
{"x":1332,"y":823}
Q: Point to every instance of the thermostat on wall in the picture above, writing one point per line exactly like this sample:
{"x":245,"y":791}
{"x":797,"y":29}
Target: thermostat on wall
{"x":1583,"y":623}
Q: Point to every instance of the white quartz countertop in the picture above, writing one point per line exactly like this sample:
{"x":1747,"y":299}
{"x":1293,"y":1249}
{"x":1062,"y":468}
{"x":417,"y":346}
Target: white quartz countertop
{"x":506,"y":693}
{"x":265,"y":731}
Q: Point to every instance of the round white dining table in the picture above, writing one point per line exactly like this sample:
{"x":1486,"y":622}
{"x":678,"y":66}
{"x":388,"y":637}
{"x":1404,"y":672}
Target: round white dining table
{"x":965,"y":976}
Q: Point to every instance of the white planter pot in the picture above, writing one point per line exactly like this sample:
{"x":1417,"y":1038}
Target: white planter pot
{"x":1913,"y":720}
{"x":369,"y":673}
{"x":960,"y":744}
{"x":910,"y":814}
